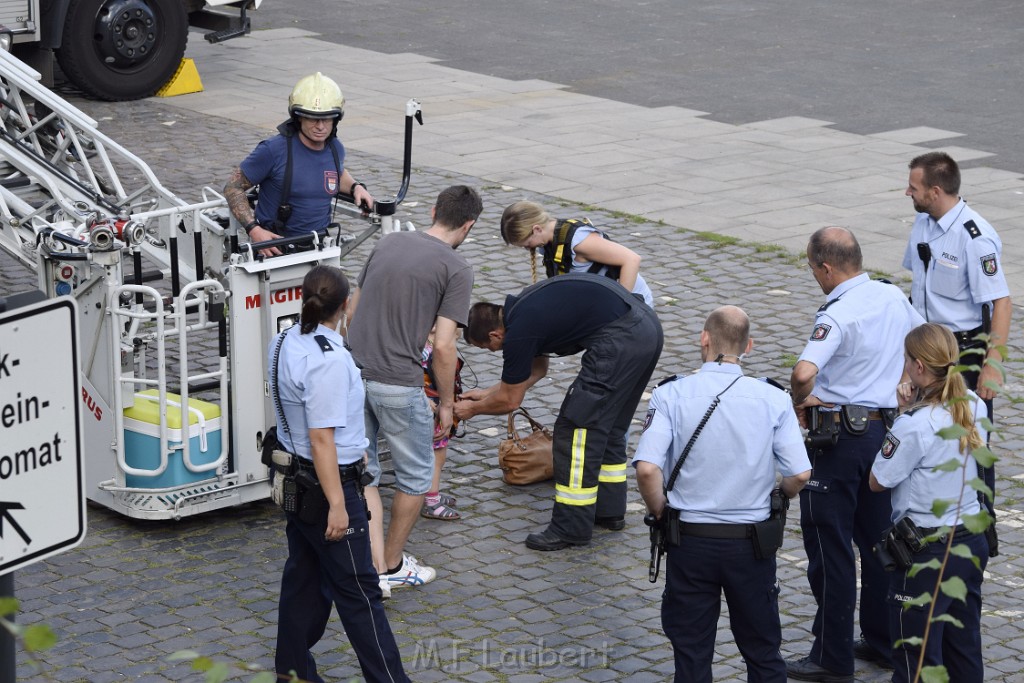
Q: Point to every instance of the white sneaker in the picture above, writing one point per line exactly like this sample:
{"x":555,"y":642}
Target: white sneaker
{"x":385,"y":587}
{"x":411,"y":573}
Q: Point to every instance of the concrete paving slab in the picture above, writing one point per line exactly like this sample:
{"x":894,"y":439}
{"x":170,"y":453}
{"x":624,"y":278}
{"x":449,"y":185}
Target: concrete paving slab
{"x":916,"y":135}
{"x":789,"y":124}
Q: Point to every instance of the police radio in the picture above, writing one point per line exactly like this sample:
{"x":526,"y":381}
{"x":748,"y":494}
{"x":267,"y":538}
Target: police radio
{"x":924,"y":252}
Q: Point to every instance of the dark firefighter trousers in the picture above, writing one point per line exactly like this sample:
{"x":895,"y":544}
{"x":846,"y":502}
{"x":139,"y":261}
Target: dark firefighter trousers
{"x":589,"y":449}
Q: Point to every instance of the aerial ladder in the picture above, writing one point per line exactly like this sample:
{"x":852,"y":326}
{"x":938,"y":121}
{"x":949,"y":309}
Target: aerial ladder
{"x":173,"y":305}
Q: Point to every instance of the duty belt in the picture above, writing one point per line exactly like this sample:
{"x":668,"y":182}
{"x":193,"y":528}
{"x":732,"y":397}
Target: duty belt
{"x":959,"y":531}
{"x":837,"y":418}
{"x":348,"y":472}
{"x":716,"y":530}
{"x":966,"y":339}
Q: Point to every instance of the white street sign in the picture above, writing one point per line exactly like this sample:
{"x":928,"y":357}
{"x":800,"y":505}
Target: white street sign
{"x":42,"y":501}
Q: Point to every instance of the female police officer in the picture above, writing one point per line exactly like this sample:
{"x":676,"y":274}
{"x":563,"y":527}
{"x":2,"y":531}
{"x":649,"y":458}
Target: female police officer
{"x":907,"y":464}
{"x":571,"y":246}
{"x":318,"y":394}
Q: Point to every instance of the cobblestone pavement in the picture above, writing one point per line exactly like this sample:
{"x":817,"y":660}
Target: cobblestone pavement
{"x":135,"y":592}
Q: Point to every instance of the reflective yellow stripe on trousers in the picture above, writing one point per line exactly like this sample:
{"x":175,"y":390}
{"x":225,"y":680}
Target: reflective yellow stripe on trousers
{"x":574,"y":493}
{"x":612,"y":474}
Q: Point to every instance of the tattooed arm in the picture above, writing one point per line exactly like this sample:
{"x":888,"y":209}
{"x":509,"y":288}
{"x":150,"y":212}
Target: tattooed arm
{"x":238,"y":203}
{"x":234,"y":192}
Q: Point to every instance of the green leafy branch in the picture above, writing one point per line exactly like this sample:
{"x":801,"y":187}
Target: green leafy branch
{"x":39,"y":638}
{"x":218,"y":672}
{"x":34,"y":639}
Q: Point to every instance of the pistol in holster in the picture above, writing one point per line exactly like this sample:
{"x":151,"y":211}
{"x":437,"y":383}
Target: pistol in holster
{"x":664,"y":532}
{"x":313,"y":505}
{"x":899,"y":544}
{"x":822,"y":428}
{"x":768,"y":534}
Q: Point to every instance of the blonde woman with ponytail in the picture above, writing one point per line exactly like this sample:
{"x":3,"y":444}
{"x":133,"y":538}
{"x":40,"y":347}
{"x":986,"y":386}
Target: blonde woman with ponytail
{"x":911,"y":452}
{"x":527,"y":225}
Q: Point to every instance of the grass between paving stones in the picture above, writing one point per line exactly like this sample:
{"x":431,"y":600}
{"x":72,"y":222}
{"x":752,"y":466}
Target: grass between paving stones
{"x":788,"y":360}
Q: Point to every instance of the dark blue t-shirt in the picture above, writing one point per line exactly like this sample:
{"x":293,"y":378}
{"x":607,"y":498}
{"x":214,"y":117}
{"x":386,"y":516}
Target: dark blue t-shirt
{"x":559,"y":320}
{"x":314,"y":182}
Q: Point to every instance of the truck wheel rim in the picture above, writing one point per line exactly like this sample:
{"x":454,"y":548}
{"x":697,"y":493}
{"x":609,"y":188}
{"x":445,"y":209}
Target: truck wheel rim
{"x":126,"y":32}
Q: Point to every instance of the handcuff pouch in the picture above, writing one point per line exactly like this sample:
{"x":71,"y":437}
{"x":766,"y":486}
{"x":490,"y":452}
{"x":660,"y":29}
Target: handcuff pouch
{"x":855,"y":419}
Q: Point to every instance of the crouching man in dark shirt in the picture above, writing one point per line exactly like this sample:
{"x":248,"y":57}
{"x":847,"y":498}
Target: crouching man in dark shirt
{"x":621,"y":338}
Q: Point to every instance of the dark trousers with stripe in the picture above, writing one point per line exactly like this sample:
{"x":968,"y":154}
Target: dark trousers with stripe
{"x":319,"y":572}
{"x":838,"y":510}
{"x":698,"y":571}
{"x":958,"y":648}
{"x":589,"y":449}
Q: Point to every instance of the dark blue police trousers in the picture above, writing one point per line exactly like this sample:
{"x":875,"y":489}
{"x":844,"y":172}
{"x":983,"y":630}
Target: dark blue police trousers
{"x":318,"y":573}
{"x":837,"y":510}
{"x":956,"y":648}
{"x":697,"y":573}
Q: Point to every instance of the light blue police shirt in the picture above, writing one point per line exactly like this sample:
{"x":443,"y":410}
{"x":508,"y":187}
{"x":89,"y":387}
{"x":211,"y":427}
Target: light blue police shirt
{"x":319,"y":389}
{"x":964,"y":271}
{"x":857,"y":343}
{"x":730,"y":472}
{"x":910,"y":452}
{"x":585,"y":231}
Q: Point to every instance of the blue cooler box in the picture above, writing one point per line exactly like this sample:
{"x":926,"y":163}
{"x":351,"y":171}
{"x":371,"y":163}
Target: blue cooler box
{"x":142,"y":440}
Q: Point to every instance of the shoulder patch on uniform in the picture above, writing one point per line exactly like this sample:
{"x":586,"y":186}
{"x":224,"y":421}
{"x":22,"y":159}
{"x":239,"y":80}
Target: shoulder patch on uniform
{"x":889,"y":445}
{"x":323,"y":342}
{"x":990,"y":264}
{"x":672,"y":378}
{"x":972,"y":229}
{"x":820,"y":331}
{"x":648,"y":419}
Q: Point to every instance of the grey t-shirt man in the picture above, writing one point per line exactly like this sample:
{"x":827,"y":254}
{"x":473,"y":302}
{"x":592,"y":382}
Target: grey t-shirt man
{"x":409,"y":280}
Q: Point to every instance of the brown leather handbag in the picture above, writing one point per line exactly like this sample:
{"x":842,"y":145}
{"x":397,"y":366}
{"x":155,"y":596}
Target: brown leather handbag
{"x":525,"y":460}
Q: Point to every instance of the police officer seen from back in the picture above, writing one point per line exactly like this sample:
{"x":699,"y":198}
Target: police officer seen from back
{"x":300,"y":171}
{"x":958,"y":281}
{"x":843,"y":385}
{"x":621,"y":339}
{"x":318,"y":397}
{"x":732,"y":434}
{"x":909,"y":464}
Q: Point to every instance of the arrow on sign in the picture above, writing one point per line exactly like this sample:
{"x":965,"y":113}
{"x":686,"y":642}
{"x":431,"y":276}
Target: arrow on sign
{"x":5,"y":513}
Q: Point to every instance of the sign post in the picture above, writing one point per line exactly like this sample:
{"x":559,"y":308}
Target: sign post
{"x":42,"y":497}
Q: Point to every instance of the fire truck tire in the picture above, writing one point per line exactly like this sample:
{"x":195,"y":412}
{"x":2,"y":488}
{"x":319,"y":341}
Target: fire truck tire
{"x":122,"y":49}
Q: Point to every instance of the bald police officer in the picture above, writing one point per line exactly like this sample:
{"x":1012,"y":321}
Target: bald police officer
{"x":845,"y":378}
{"x":752,"y":429}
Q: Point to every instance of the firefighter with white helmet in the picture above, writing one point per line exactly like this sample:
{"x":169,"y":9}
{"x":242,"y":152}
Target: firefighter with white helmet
{"x":317,"y":97}
{"x":297,"y":182}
